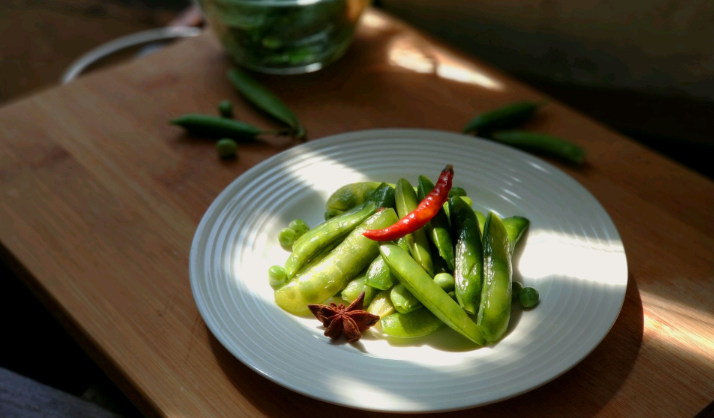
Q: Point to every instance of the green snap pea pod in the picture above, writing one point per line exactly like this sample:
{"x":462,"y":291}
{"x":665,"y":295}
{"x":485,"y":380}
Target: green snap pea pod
{"x":411,"y":325}
{"x":329,"y":276}
{"x":381,"y":304}
{"x":495,"y":310}
{"x":506,"y":117}
{"x":543,"y":144}
{"x":334,"y":230}
{"x":468,"y":272}
{"x":515,"y":227}
{"x":465,"y":199}
{"x":357,"y":286}
{"x":433,"y":297}
{"x":378,"y":274}
{"x":349,"y":196}
{"x":218,"y":127}
{"x":260,"y":96}
{"x":481,"y":220}
{"x":438,"y":227}
{"x":403,"y":300}
{"x":406,"y":201}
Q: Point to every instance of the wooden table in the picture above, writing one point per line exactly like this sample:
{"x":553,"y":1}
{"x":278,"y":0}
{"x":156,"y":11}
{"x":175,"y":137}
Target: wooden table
{"x":100,"y":197}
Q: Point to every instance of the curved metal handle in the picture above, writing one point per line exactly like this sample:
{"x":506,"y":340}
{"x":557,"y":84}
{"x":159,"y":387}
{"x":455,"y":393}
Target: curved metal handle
{"x":104,"y":50}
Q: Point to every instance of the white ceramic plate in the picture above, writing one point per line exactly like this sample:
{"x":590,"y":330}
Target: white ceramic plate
{"x":572,"y":254}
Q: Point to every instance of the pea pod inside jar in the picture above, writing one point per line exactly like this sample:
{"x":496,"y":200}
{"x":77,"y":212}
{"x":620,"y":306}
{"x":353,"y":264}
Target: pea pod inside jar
{"x":284,"y":37}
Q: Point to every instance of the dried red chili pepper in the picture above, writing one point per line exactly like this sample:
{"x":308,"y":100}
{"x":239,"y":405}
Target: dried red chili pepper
{"x":416,"y":219}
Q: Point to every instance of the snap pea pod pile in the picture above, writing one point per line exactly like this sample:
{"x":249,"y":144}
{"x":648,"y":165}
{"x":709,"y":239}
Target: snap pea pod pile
{"x":456,"y":271}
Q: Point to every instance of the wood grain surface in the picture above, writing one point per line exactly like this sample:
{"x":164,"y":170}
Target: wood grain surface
{"x":100,"y":197}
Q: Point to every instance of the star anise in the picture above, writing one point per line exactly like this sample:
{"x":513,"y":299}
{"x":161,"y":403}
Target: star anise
{"x":352,"y":319}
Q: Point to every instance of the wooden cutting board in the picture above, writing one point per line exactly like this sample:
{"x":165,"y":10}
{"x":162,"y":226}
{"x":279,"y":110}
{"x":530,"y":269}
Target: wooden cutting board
{"x":100,"y":197}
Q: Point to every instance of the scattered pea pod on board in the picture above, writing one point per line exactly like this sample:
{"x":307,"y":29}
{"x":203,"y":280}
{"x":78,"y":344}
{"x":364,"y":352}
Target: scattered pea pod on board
{"x":265,"y":100}
{"x":498,"y":125}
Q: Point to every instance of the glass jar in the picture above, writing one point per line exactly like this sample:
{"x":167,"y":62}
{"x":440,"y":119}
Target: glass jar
{"x":284,"y":36}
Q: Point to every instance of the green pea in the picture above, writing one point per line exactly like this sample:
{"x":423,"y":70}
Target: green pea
{"x":277,"y":276}
{"x":225,"y":108}
{"x":445,"y":281}
{"x":227,"y":148}
{"x":528,"y":297}
{"x":516,"y":288}
{"x":287,"y":237}
{"x":457,"y":191}
{"x":299,"y":226}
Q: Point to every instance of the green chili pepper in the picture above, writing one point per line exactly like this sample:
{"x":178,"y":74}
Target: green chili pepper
{"x":495,"y":310}
{"x":260,"y":96}
{"x":506,"y":117}
{"x":468,"y":270}
{"x":411,"y":325}
{"x":218,"y":127}
{"x":324,"y":279}
{"x":406,"y":201}
{"x":225,"y":109}
{"x":543,"y":144}
{"x":434,"y":298}
{"x":438,"y":227}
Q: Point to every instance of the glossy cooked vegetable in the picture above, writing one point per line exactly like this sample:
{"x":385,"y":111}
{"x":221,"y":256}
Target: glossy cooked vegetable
{"x":411,"y":325}
{"x":349,"y":196}
{"x":261,"y":97}
{"x":419,"y":214}
{"x":218,"y":127}
{"x":406,"y":201}
{"x":528,"y":297}
{"x":357,"y":286}
{"x":457,"y":191}
{"x":381,"y":304}
{"x":495,"y":309}
{"x":543,"y":144}
{"x":445,"y":281}
{"x":418,"y":282}
{"x":506,"y":117}
{"x":317,"y":239}
{"x":516,"y":288}
{"x":287,"y":237}
{"x":378,"y":274}
{"x":277,"y":276}
{"x":226,"y":148}
{"x":324,"y":279}
{"x":299,"y":226}
{"x":438,"y":227}
{"x":402,"y":300}
{"x":468,"y":270}
{"x":515,"y":228}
